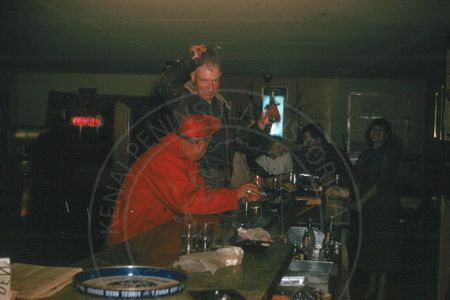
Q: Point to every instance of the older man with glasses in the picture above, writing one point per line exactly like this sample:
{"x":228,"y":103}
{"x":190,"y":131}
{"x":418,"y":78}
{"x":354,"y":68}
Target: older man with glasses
{"x":164,"y":183}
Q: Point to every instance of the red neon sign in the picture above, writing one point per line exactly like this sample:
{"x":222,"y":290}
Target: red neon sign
{"x":88,"y":121}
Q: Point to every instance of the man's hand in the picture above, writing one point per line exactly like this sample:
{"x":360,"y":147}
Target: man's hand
{"x":248,"y":191}
{"x":197,"y":50}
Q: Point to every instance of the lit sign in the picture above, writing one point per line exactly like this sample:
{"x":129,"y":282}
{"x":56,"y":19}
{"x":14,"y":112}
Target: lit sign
{"x":280,"y":95}
{"x":27,"y":134}
{"x":88,"y":121}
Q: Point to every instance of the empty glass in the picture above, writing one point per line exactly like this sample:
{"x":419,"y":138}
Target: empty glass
{"x":205,"y":237}
{"x":293,"y":178}
{"x":188,"y":235}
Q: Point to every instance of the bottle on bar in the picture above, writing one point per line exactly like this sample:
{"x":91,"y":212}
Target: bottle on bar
{"x":294,"y":257}
{"x":336,"y":253}
{"x":299,"y":252}
{"x":312,"y":236}
{"x":274,"y":114}
{"x":330,"y":228}
{"x":307,"y":248}
{"x":332,"y":237}
{"x":326,"y":247}
{"x":275,"y":183}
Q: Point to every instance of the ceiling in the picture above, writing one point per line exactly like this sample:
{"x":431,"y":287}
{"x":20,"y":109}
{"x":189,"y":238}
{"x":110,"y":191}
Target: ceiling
{"x":290,"y":38}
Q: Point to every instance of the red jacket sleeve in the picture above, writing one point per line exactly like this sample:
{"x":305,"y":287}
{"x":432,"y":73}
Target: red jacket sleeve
{"x":179,"y":185}
{"x":160,"y":188}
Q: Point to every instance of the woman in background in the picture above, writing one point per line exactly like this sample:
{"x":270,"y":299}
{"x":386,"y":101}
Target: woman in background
{"x":379,"y":204}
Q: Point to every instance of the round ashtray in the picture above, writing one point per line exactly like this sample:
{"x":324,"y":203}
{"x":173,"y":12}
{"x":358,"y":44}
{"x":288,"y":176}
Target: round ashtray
{"x":130,"y":282}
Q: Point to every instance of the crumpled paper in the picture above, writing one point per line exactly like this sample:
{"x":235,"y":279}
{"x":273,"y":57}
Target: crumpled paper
{"x":257,"y":234}
{"x":210,"y":260}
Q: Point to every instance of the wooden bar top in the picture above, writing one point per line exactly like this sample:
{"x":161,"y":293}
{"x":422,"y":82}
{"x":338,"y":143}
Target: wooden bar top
{"x":256,"y":278}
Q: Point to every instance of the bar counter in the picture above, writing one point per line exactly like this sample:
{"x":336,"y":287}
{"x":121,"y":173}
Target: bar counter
{"x":256,"y":278}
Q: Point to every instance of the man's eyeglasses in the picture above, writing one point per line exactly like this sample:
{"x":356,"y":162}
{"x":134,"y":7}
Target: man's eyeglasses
{"x":209,"y":139}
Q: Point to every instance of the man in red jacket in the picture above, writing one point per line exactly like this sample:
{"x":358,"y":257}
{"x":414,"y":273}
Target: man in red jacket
{"x":164,"y":183}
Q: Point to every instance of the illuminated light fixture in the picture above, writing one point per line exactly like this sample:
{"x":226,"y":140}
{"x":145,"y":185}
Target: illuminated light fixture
{"x":96,"y":121}
{"x":27,"y":134}
{"x":279,"y":95}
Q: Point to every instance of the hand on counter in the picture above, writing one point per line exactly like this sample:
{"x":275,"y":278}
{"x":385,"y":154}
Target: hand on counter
{"x":248,"y":191}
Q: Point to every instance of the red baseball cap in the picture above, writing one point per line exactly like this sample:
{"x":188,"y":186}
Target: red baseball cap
{"x":198,"y":126}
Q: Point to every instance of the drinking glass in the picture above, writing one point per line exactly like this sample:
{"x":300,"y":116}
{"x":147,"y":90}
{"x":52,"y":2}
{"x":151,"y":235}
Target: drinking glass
{"x":186,"y":234}
{"x":256,"y":179}
{"x":205,"y":236}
